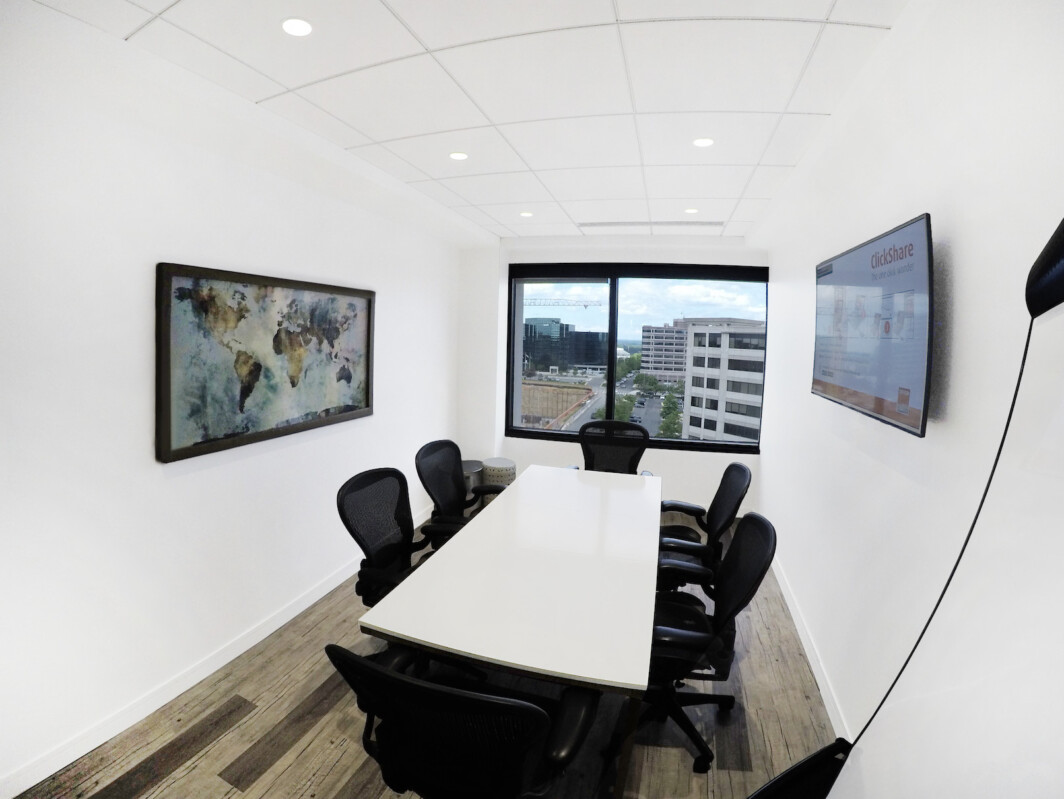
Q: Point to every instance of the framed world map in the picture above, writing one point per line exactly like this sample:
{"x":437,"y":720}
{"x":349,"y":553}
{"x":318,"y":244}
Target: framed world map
{"x":242,"y":358}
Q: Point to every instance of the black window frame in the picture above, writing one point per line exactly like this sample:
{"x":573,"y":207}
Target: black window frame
{"x":613,"y":273}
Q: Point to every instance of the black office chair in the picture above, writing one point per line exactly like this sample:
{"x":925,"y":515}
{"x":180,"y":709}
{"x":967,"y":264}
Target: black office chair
{"x":690,"y":643}
{"x":375,"y":508}
{"x":439,"y":466}
{"x":610,"y":445}
{"x":682,"y":544}
{"x":443,"y":741}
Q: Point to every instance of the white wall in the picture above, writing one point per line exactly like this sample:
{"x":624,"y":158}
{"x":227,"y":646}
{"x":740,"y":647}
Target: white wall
{"x":958,"y":115}
{"x":122,"y":580}
{"x":690,"y":476}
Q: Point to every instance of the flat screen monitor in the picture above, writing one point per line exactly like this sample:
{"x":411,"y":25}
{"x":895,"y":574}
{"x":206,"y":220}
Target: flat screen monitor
{"x":873,"y":326}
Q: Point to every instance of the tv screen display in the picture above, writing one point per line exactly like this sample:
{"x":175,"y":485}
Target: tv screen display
{"x":873,"y":326}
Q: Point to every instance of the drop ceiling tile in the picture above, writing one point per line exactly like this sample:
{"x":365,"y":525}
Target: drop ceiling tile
{"x":709,"y":210}
{"x":662,"y":9}
{"x":596,"y":183}
{"x":591,"y":211}
{"x":347,"y":35}
{"x":571,"y":143}
{"x":511,"y":187}
{"x":443,"y":23}
{"x":488,"y":153}
{"x":166,"y":41}
{"x":509,"y":214}
{"x":385,"y":159}
{"x":868,"y":12}
{"x":737,"y":138}
{"x":439,"y":193}
{"x":716,"y":181}
{"x":687,"y":230}
{"x":792,"y":138}
{"x":499,"y":230}
{"x":841,"y":51}
{"x":114,"y":16}
{"x":716,"y":65}
{"x":564,"y":73}
{"x":404,"y":98}
{"x":749,"y":210}
{"x":768,"y":180}
{"x":525,"y":231}
{"x":475,"y":215}
{"x":307,"y":115}
{"x":154,"y":6}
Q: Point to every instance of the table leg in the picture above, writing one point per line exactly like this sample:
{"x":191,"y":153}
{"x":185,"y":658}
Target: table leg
{"x":626,"y":728}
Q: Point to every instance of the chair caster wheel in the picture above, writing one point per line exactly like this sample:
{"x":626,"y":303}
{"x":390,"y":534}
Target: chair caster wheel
{"x":727,"y":704}
{"x":702,"y":764}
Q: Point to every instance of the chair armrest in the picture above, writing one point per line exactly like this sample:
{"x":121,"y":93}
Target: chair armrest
{"x":571,"y":723}
{"x":439,"y":533}
{"x":683,"y":639}
{"x":673,"y":573}
{"x":678,"y":506}
{"x":419,"y":545}
{"x":695,"y":548}
{"x":487,"y":488}
{"x":379,"y":576}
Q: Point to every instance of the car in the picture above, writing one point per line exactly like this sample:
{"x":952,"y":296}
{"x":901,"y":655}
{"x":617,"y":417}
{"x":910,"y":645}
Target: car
{"x":636,"y":419}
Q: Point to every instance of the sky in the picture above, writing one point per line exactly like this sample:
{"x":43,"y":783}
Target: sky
{"x":645,"y":301}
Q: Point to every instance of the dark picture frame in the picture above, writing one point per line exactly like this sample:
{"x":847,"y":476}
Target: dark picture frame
{"x":242,"y":358}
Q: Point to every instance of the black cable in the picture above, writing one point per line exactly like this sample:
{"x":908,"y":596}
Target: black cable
{"x":964,"y":546}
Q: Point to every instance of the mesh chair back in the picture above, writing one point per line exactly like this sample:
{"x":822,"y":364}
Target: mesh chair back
{"x":439,"y":466}
{"x":744,"y":566}
{"x":720,"y":514}
{"x":375,"y":508}
{"x":613,"y":446}
{"x":443,"y":742}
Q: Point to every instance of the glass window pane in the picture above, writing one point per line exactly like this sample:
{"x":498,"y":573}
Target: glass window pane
{"x":561,"y":342}
{"x":700,"y":347}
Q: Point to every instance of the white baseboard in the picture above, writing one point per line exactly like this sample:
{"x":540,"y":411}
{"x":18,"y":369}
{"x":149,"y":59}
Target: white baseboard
{"x":70,"y":750}
{"x":827,"y":692}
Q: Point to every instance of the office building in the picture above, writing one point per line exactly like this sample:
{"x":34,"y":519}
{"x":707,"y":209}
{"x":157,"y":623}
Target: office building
{"x":664,"y":351}
{"x":125,"y":581}
{"x":725,"y":379}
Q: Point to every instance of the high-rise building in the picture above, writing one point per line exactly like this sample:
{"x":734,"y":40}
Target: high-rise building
{"x":664,"y":351}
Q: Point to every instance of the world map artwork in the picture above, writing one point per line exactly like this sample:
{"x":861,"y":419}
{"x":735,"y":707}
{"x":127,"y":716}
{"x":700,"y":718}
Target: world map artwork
{"x":247,"y":358}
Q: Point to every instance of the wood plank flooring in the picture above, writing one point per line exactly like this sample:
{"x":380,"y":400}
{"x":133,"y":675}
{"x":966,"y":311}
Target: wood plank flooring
{"x":277,"y":722}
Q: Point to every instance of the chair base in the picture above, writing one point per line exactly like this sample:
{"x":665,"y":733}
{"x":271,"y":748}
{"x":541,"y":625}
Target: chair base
{"x":669,"y":703}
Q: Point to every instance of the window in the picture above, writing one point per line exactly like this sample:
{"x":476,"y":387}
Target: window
{"x":744,"y":410}
{"x":739,"y":430}
{"x":696,"y":421}
{"x":742,"y":365}
{"x":610,"y":341}
{"x":740,"y":387}
{"x":747,"y":342}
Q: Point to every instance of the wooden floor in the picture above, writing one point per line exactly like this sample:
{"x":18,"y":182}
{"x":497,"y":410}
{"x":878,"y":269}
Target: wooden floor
{"x":278,"y":722}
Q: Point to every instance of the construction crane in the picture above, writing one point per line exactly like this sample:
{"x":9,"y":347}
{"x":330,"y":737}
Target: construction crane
{"x":585,"y":303}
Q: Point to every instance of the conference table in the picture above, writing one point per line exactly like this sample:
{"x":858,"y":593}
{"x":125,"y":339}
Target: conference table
{"x":555,"y":578}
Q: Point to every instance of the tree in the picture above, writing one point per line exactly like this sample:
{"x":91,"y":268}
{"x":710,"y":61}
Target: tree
{"x":671,"y":426}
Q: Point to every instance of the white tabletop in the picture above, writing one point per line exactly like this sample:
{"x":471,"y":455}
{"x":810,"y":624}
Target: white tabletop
{"x":555,"y":577}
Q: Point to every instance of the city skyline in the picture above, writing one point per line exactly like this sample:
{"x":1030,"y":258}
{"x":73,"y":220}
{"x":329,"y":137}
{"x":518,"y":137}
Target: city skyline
{"x":646,"y":301}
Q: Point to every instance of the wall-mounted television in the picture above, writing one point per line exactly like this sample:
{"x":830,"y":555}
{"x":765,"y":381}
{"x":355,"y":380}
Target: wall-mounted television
{"x":873,"y":326}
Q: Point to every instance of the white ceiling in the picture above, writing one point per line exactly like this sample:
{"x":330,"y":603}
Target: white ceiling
{"x":581,"y":113}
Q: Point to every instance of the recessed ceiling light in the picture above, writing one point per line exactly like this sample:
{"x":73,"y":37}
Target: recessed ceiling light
{"x":296,"y":27}
{"x":702,"y":142}
{"x":690,"y":210}
{"x":526,"y":213}
{"x":459,"y":156}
